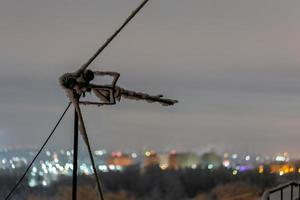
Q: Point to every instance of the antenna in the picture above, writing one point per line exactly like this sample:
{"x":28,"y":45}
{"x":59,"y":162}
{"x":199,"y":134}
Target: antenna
{"x":80,"y":82}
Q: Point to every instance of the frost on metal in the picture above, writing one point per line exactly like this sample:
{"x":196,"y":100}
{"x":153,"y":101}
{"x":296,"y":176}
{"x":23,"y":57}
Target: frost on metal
{"x":128,"y":94}
{"x":77,"y":84}
{"x":80,"y":83}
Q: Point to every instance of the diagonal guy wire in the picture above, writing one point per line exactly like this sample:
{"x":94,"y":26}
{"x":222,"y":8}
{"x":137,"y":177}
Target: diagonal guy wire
{"x":40,"y":150}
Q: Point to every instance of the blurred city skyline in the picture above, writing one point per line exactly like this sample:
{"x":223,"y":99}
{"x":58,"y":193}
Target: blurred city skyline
{"x":233,"y":65}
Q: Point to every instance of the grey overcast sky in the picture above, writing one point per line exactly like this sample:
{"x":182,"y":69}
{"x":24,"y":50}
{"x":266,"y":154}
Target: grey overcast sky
{"x":234,"y":65}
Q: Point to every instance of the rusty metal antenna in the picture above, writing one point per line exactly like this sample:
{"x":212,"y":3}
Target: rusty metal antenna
{"x":80,"y":82}
{"x":77,"y":84}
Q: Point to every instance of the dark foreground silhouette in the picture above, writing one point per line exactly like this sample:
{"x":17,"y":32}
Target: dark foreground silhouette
{"x":154,"y":184}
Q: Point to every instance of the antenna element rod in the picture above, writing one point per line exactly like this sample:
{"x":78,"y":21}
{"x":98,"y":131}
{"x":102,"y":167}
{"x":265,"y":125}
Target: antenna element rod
{"x":108,"y":41}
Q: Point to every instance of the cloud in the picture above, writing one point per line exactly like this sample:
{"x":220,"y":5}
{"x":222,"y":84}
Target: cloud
{"x":233,"y":66}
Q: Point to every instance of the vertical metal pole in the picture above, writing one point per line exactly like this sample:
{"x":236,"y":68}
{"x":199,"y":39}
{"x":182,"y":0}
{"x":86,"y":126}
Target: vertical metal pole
{"x":292,"y":192}
{"x":299,"y":191}
{"x":75,"y":157}
{"x":281,"y":194}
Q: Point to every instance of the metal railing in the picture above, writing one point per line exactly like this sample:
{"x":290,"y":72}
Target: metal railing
{"x":294,"y":188}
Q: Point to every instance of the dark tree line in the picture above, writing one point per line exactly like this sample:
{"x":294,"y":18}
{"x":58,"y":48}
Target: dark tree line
{"x":152,"y":183}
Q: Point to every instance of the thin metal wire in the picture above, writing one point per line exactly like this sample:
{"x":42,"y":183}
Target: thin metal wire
{"x":40,"y":150}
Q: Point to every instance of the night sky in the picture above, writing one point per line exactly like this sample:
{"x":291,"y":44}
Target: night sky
{"x":234,"y":66}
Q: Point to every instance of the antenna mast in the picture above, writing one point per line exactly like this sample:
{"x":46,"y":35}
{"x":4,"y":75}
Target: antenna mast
{"x":76,"y":85}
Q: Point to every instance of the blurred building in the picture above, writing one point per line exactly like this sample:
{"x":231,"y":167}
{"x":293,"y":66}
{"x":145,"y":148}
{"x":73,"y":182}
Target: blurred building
{"x":151,"y":159}
{"x":163,"y":161}
{"x":183,"y":160}
{"x":211,"y":160}
{"x":282,"y":168}
{"x":119,"y":159}
{"x":187,"y":160}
